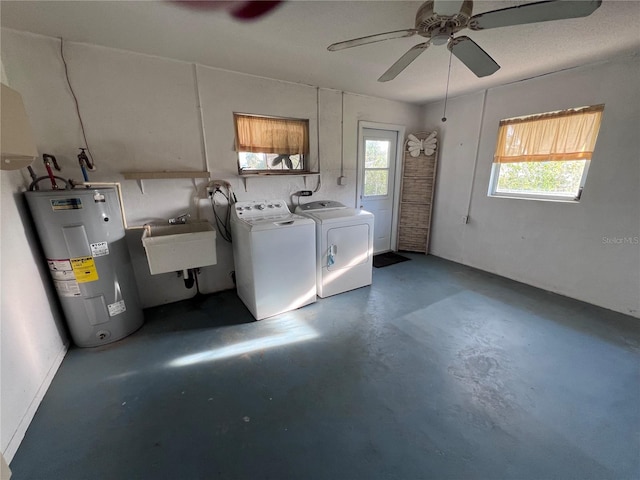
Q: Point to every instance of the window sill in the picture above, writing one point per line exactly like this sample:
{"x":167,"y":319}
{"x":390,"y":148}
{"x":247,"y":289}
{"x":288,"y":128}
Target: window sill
{"x":275,"y":173}
{"x":539,"y":199}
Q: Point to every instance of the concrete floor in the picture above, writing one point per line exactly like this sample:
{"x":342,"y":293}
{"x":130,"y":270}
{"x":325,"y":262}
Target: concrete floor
{"x":436,"y":371}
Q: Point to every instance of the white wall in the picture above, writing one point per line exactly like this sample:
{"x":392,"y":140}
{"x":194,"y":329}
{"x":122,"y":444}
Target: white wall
{"x":555,"y":246}
{"x":141,"y":113}
{"x":32,"y":333}
{"x":33,"y":346}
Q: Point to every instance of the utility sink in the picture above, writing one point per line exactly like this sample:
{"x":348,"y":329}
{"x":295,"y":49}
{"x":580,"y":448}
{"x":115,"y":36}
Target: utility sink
{"x":172,"y":248}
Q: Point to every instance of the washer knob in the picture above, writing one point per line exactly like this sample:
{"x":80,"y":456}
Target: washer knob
{"x":260,"y":206}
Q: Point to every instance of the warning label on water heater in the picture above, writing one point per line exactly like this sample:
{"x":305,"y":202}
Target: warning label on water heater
{"x":116,"y":308}
{"x":99,"y":249}
{"x":84,"y":269}
{"x":59,"y":265}
{"x":67,"y":288}
{"x":63,"y":278}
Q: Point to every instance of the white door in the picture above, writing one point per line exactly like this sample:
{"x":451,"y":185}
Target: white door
{"x":377,"y":159}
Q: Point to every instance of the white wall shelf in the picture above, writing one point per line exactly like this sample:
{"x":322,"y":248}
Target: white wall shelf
{"x":163,"y":175}
{"x":140,"y":176}
{"x":245,"y":175}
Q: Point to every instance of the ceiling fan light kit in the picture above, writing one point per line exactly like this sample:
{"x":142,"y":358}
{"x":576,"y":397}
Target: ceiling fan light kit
{"x":440,"y":29}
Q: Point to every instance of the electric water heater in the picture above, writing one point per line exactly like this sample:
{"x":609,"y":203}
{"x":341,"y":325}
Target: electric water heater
{"x":83,"y":238}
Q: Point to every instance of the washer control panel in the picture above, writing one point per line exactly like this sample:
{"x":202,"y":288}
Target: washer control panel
{"x":321,"y":205}
{"x":261,"y":208}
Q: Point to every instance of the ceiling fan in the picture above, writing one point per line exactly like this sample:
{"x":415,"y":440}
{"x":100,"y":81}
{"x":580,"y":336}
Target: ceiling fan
{"x":439,"y":29}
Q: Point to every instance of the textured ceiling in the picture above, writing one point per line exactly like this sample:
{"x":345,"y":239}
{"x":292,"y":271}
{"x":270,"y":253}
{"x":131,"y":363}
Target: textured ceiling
{"x":290,"y":42}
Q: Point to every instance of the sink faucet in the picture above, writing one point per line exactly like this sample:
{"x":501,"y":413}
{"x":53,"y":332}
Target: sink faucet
{"x":179,"y":219}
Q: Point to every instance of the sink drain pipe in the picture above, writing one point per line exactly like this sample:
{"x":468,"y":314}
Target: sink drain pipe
{"x":190,"y":277}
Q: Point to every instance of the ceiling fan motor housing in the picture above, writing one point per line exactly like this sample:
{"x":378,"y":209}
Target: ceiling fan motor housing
{"x":431,"y":25}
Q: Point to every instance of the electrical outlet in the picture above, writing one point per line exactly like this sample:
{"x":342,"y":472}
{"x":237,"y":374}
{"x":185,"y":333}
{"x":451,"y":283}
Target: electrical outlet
{"x":465,"y":219}
{"x":342,"y":180}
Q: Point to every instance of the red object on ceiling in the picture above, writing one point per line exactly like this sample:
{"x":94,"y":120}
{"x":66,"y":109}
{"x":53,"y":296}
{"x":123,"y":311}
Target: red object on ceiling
{"x":239,"y":9}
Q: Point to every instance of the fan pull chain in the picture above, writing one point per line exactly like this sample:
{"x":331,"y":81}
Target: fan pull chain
{"x":444,"y":113}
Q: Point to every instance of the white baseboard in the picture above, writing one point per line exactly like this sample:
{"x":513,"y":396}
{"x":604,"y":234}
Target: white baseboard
{"x":5,"y":471}
{"x":20,"y":432}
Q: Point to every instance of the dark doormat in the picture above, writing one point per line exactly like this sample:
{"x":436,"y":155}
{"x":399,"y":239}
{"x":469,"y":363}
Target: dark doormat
{"x":388,"y":258}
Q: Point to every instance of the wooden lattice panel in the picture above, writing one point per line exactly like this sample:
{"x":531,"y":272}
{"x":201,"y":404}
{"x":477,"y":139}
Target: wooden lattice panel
{"x":417,"y":190}
{"x":413,"y":239}
{"x":420,"y":166}
{"x":416,"y":199}
{"x":413,"y":216}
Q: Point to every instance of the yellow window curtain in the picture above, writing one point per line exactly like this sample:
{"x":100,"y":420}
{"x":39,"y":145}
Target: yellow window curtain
{"x":565,"y":135}
{"x":271,"y":135}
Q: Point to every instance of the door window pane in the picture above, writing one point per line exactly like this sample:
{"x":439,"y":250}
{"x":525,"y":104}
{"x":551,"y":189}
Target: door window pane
{"x":376,"y":182}
{"x":376,"y":154}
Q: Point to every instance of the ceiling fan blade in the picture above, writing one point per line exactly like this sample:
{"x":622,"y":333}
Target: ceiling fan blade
{"x":403,"y":62}
{"x":447,"y":8}
{"x":474,"y":57}
{"x":534,"y":12}
{"x":356,"y":42}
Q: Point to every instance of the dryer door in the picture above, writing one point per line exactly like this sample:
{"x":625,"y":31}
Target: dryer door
{"x":347,"y":246}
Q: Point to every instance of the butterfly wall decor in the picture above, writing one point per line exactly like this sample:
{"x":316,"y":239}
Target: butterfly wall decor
{"x":426,"y":145}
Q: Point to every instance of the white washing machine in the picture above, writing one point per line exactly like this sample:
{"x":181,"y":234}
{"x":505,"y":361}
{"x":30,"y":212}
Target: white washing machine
{"x":274,"y":253}
{"x":344,"y":244}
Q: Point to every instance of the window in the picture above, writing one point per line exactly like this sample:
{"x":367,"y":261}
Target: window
{"x":545,"y":156}
{"x":271,"y":144}
{"x":376,"y":167}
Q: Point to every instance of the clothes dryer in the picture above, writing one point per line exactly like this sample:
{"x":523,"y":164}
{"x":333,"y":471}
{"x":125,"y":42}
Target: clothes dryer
{"x":344,"y":246}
